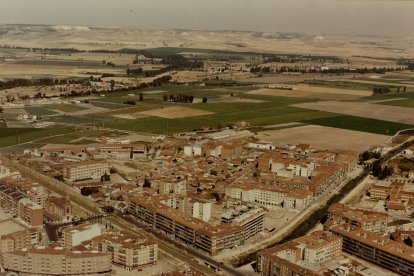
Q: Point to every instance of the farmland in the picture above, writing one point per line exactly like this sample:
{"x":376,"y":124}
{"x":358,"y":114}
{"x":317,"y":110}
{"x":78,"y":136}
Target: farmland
{"x":229,"y":87}
{"x":360,"y":124}
{"x":10,"y":137}
{"x":362,"y":109}
{"x":64,"y":107}
{"x":324,"y":137}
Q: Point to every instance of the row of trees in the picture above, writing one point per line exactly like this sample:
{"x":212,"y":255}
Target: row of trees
{"x":299,"y":58}
{"x":135,"y":71}
{"x":368,"y":155}
{"x":342,"y":70}
{"x":180,"y":98}
{"x":386,"y":89}
{"x":175,"y":62}
{"x":42,"y":81}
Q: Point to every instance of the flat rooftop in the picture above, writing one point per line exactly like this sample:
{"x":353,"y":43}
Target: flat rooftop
{"x":10,"y":226}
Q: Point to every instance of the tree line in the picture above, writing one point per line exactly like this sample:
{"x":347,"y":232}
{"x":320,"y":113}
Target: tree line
{"x":9,"y":84}
{"x":386,"y":90}
{"x":342,"y":70}
{"x":180,"y":98}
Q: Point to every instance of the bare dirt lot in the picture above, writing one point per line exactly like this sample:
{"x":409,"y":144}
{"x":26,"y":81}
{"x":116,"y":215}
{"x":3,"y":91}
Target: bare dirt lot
{"x":301,"y":91}
{"x":366,"y":110}
{"x":324,"y":137}
{"x":175,"y":112}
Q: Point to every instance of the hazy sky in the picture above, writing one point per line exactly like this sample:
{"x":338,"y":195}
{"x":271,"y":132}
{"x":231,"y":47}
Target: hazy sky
{"x":374,"y":17}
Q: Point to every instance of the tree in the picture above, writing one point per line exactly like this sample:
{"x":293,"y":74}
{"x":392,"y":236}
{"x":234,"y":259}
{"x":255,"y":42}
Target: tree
{"x":386,"y":172}
{"x":112,"y":84}
{"x":204,"y":100}
{"x":129,"y":102}
{"x":376,"y":169}
{"x":365,"y":156}
{"x":108,"y":209}
{"x":147,"y":183}
{"x":217,"y":196}
{"x":87,"y":191}
{"x":408,"y":241}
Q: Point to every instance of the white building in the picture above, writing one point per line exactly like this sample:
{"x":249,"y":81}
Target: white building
{"x":201,"y":210}
{"x":193,"y":150}
{"x":74,"y":236}
{"x":293,"y":169}
{"x":271,"y":196}
{"x":85,"y":170}
{"x":261,"y":146}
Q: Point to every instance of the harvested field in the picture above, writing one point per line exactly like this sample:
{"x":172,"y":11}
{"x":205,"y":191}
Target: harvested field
{"x":307,"y":91}
{"x":175,"y":112}
{"x":17,"y":111}
{"x":324,"y":137}
{"x":362,"y":109}
{"x":130,"y":116}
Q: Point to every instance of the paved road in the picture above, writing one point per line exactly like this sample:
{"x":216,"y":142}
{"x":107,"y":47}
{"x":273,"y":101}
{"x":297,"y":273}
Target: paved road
{"x":183,"y":253}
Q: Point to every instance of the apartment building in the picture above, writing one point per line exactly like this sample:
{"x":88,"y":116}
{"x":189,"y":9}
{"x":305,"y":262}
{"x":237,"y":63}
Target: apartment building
{"x":92,"y":169}
{"x":303,"y":173}
{"x":38,"y":195}
{"x":128,"y":250}
{"x":11,"y":240}
{"x":367,"y":220}
{"x":251,"y":219}
{"x":395,"y":192}
{"x":58,"y":261}
{"x":5,"y":171}
{"x":184,"y":227}
{"x":56,"y":149}
{"x":300,"y":256}
{"x":121,"y":151}
{"x":392,"y":255}
{"x":198,"y":208}
{"x":270,"y":195}
{"x":30,"y":212}
{"x":73,"y":236}
{"x":9,"y":198}
{"x":175,"y":187}
{"x":194,"y":149}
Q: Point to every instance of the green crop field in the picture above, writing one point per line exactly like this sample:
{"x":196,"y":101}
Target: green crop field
{"x":14,"y":136}
{"x":65,"y":107}
{"x":39,"y":111}
{"x":108,"y":105}
{"x":256,"y":117}
{"x":408,"y":95}
{"x":359,"y":124}
{"x":403,"y":103}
